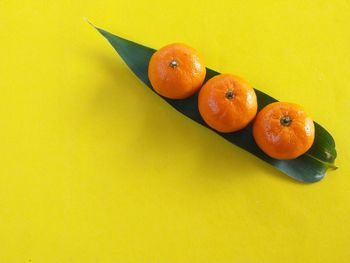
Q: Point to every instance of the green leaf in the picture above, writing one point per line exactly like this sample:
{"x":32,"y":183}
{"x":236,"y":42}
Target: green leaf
{"x":310,"y":167}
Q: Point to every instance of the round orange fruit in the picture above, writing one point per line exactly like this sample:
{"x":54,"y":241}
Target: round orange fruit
{"x":227,"y":103}
{"x":283,"y":130}
{"x":176,"y":71}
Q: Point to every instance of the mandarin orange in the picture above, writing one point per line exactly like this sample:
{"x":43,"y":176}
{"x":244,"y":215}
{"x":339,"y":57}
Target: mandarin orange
{"x":283,"y":130}
{"x":227,"y":103}
{"x":176,"y":71}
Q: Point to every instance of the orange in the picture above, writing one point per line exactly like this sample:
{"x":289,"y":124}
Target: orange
{"x":176,"y":71}
{"x":227,"y":103}
{"x":283,"y":130}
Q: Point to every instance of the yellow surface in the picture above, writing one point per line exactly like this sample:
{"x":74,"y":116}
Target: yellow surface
{"x":96,"y":168}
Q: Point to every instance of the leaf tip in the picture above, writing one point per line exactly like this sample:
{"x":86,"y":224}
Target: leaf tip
{"x":88,"y":21}
{"x":333,"y":167}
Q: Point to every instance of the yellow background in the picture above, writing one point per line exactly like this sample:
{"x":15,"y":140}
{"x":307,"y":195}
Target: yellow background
{"x":94,"y":167}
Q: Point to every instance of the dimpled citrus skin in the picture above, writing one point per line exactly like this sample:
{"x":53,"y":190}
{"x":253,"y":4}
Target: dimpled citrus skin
{"x":223,"y":113}
{"x":280,"y":141}
{"x":180,"y":81}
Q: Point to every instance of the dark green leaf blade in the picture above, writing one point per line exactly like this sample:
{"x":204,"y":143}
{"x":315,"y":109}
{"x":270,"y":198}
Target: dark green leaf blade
{"x":310,"y":167}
